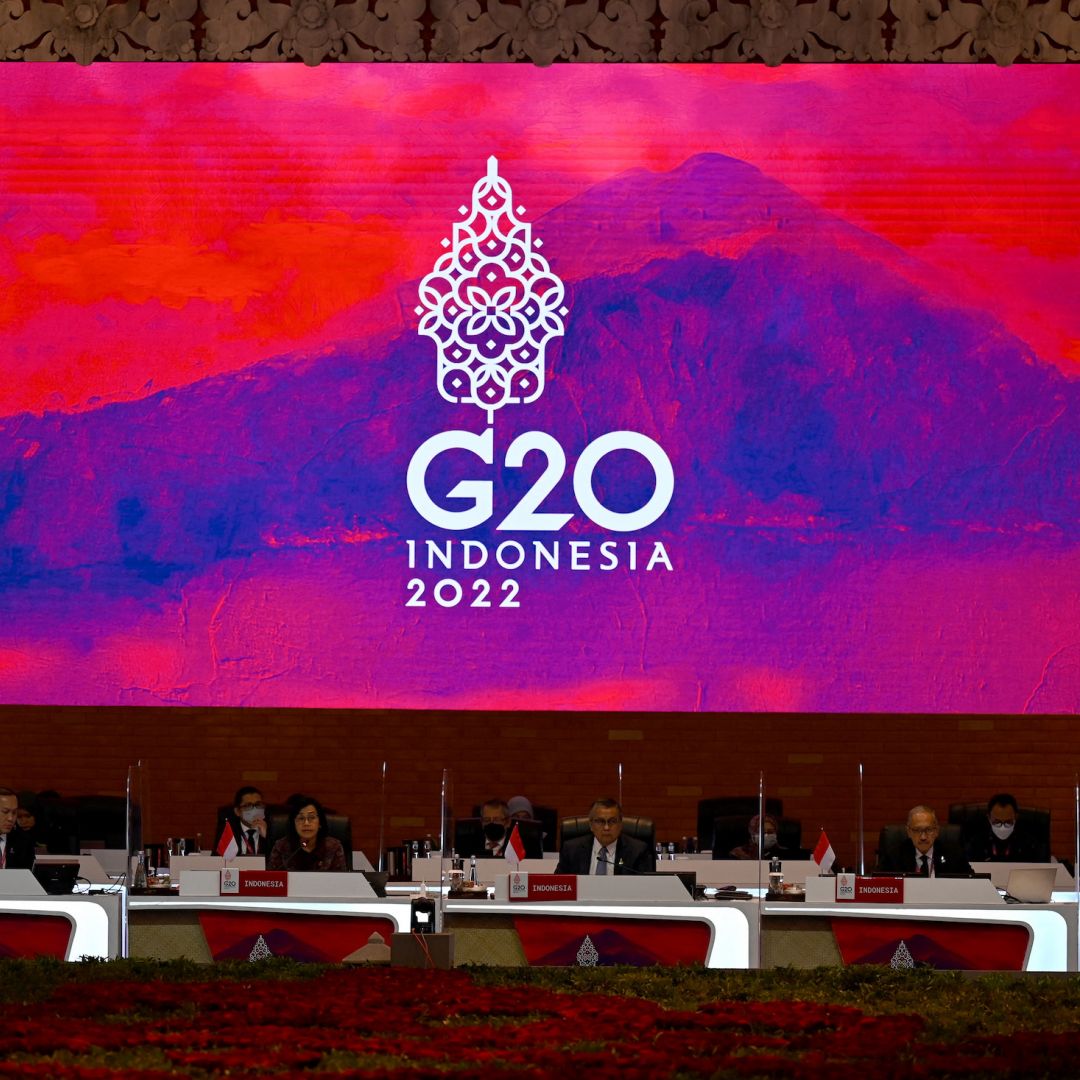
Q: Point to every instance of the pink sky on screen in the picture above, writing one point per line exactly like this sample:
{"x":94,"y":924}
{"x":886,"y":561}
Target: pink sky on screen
{"x":163,"y":224}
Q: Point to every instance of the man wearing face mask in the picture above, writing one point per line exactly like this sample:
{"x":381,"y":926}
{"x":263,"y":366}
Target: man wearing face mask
{"x":496,"y":822}
{"x":770,"y":842}
{"x":1003,"y":838}
{"x":248,"y":821}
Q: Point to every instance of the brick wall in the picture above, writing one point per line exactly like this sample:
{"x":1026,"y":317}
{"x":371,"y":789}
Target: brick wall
{"x":195,"y":758}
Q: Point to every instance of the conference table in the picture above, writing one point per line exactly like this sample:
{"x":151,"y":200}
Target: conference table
{"x":527,"y":917}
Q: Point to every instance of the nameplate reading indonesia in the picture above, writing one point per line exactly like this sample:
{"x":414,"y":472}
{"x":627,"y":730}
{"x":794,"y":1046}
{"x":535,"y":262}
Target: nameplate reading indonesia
{"x":543,"y":887}
{"x":254,"y":883}
{"x":852,"y":889}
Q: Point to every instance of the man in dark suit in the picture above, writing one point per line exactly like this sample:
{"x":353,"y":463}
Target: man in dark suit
{"x":16,"y":848}
{"x":606,"y":851}
{"x":923,"y":853}
{"x":1002,"y":836}
{"x":496,"y":825}
{"x":248,"y":822}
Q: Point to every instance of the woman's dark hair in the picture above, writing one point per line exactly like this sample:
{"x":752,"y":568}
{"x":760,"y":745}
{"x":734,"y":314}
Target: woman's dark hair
{"x":297,"y":803}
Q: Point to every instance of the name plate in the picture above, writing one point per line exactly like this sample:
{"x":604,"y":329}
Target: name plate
{"x":254,"y":882}
{"x":852,"y":889}
{"x":537,"y":887}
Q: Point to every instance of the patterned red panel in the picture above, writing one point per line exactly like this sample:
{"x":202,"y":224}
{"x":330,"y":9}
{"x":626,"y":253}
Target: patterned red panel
{"x":564,"y":940}
{"x":975,"y":946}
{"x":240,"y":935}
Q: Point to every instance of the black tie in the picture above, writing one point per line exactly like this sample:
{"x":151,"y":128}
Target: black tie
{"x":925,"y":868}
{"x":251,"y":841}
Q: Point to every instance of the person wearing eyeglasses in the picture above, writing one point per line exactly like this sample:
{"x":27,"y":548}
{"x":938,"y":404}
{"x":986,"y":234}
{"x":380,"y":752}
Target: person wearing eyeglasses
{"x":1002,"y":836}
{"x":307,"y":845}
{"x":924,"y":852}
{"x":248,"y":821}
{"x":607,"y":850}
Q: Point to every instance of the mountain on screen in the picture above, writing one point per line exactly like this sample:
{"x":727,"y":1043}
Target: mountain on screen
{"x":810,"y":395}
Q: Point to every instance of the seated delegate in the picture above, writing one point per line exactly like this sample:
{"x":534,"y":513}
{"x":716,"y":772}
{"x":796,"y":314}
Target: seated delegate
{"x":770,"y":842}
{"x":607,"y":850}
{"x":16,"y":848}
{"x":306,"y":845}
{"x":922,"y":852}
{"x":1002,"y":836}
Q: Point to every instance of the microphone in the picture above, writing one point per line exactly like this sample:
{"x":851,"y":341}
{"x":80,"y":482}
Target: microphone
{"x":619,"y":867}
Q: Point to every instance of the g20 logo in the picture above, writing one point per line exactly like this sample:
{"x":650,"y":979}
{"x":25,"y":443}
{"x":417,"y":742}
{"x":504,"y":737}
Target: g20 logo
{"x":491,"y":304}
{"x":527,"y":515}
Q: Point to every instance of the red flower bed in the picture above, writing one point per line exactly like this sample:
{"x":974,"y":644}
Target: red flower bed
{"x":395,"y":1023}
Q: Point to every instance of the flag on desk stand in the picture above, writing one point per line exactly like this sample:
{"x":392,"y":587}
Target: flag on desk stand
{"x":824,"y":855}
{"x":226,"y":845}
{"x":515,"y":846}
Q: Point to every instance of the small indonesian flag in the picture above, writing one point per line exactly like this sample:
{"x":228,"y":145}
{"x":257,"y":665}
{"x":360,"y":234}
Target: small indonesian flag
{"x":824,"y":855}
{"x":226,"y":845}
{"x":515,"y":846}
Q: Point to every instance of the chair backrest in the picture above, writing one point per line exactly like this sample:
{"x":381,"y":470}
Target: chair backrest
{"x":338,"y":826}
{"x":102,"y":818}
{"x":469,"y":837}
{"x":548,"y":817}
{"x":892,"y":837}
{"x":744,"y":806}
{"x":640,"y":828}
{"x":1033,"y":824}
{"x":733,"y":830}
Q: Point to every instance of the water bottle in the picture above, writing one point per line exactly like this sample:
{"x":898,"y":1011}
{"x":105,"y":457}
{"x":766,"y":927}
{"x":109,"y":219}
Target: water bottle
{"x":776,"y":876}
{"x":140,"y":872}
{"x":659,"y":851}
{"x":671,"y":850}
{"x":472,"y":870}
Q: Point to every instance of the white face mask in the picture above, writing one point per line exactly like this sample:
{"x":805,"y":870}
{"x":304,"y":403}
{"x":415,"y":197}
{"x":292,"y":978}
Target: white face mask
{"x":1002,"y":829}
{"x":250,"y":814}
{"x":768,"y":840}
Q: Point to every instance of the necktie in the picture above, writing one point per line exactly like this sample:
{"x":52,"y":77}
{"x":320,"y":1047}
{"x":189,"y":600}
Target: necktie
{"x":601,"y":861}
{"x":925,"y":868}
{"x":251,"y":841}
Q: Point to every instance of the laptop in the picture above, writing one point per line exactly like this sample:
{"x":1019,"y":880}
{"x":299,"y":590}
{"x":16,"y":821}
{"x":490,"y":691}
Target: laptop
{"x":1031,"y":884}
{"x":89,"y":869}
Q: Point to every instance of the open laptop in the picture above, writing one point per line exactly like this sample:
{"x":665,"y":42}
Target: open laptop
{"x":1031,"y":884}
{"x":89,"y":868}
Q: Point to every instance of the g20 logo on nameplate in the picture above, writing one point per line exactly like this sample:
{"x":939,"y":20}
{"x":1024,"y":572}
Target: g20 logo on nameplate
{"x":491,"y":305}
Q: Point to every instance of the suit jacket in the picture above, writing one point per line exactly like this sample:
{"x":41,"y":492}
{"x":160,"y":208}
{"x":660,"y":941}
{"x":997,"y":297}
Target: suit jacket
{"x":900,"y":858}
{"x":262,"y":847}
{"x":631,"y":856}
{"x":984,"y":846}
{"x":534,"y":846}
{"x":19,"y":852}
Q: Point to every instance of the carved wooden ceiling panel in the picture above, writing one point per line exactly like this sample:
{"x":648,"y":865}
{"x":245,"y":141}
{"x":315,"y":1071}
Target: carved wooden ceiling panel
{"x":543,"y":32}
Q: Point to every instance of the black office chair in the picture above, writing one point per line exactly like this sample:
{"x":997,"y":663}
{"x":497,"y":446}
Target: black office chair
{"x":892,"y":837}
{"x":733,"y":830}
{"x":469,"y":837}
{"x":548,"y":817}
{"x":1033,"y":823}
{"x":337,"y":825}
{"x":641,"y":828}
{"x":744,"y":806}
{"x":101,"y":819}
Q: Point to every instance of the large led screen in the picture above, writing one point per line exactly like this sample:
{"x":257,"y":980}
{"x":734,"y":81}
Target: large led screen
{"x":645,"y":388}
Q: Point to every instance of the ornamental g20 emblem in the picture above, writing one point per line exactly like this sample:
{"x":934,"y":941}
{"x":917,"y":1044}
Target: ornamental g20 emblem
{"x":491,"y":304}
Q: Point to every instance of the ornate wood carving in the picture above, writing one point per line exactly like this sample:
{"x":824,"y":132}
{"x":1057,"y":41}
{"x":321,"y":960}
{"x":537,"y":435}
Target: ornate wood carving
{"x":544,"y":31}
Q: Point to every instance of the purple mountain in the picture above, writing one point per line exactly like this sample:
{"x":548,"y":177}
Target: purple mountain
{"x":813,"y":398}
